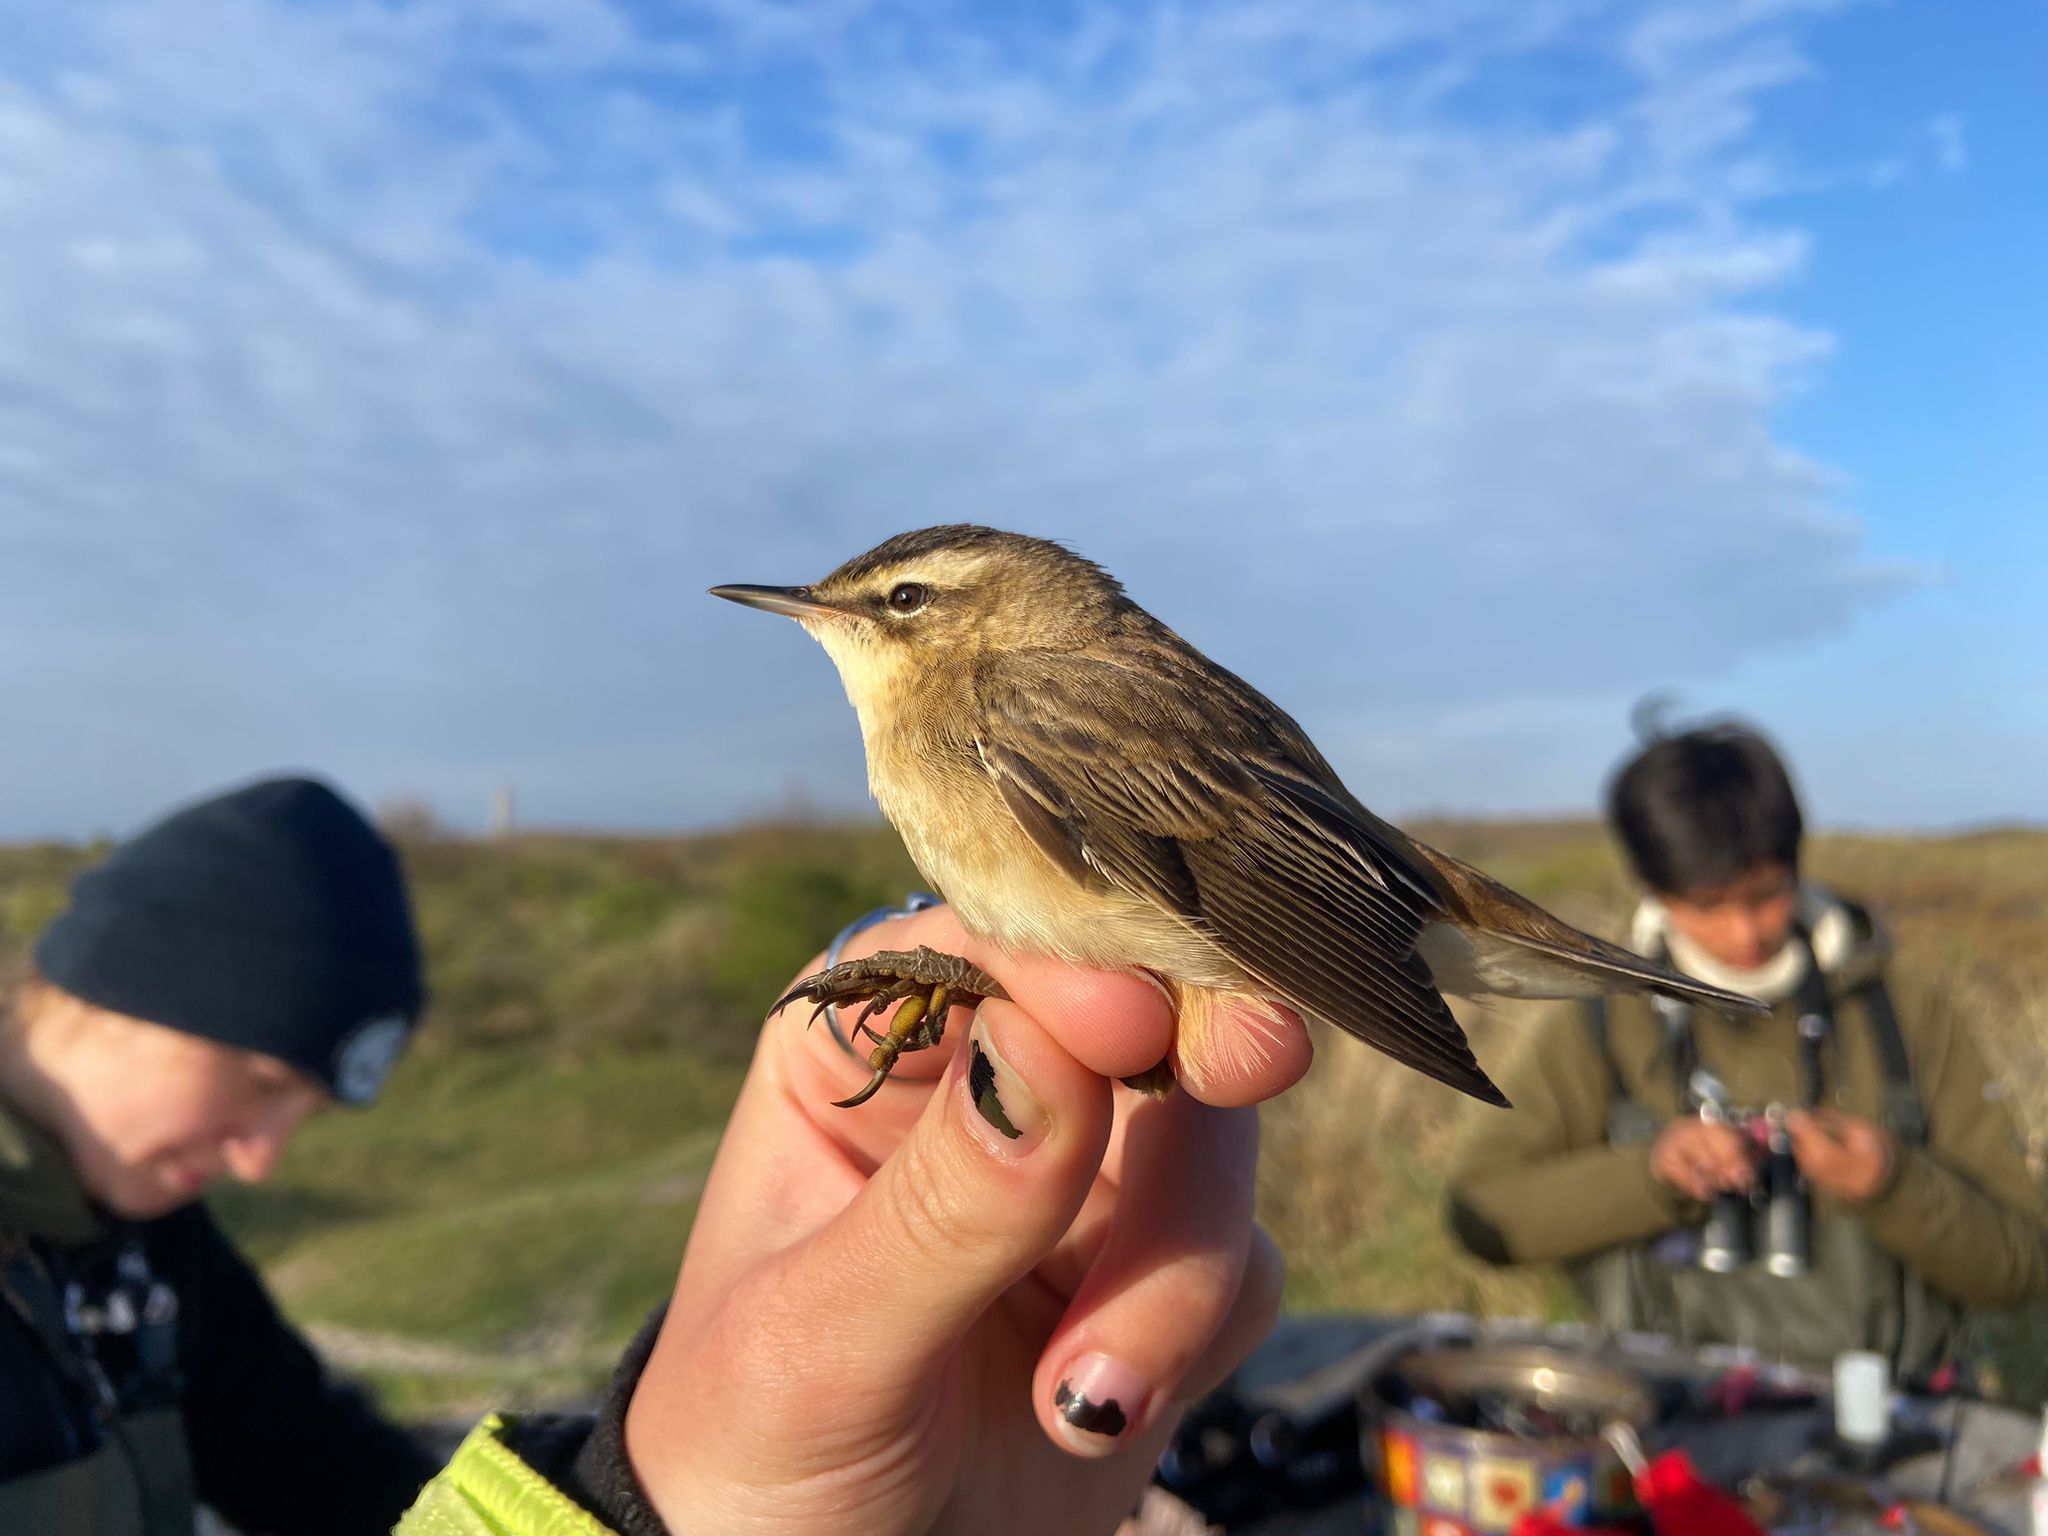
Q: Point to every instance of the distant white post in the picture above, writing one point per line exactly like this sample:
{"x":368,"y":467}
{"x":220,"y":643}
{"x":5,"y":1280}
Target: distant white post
{"x":502,"y":811}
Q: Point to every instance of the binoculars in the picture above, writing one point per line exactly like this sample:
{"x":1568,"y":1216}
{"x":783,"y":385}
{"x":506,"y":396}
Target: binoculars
{"x":1773,"y":1218}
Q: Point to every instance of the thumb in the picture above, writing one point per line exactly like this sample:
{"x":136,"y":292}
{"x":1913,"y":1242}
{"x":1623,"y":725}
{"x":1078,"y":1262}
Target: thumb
{"x":984,"y":1187}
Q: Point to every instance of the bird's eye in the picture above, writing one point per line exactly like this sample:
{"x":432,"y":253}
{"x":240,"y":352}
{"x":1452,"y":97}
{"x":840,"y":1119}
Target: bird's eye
{"x":909,"y":596}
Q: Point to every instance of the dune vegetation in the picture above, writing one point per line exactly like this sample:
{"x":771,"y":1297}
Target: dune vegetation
{"x":495,"y":1229}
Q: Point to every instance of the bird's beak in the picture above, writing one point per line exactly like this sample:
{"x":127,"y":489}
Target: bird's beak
{"x":795,"y":602}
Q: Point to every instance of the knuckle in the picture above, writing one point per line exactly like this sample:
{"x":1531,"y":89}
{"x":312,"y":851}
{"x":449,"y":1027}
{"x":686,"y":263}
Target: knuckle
{"x":1205,"y":1287}
{"x":925,"y":1218}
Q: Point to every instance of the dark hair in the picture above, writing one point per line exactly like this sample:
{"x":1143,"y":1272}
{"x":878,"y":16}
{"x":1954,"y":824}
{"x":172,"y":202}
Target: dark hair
{"x":1703,"y":807}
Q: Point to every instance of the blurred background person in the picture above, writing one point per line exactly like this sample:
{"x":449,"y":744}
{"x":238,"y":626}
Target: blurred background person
{"x":223,"y":975}
{"x":1917,"y":1202}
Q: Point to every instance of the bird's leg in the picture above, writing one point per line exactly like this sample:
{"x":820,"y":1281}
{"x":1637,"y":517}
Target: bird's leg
{"x":1156,"y":1081}
{"x":926,"y":982}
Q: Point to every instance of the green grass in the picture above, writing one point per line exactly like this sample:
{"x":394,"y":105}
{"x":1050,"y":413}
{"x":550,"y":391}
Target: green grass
{"x":526,"y":1215}
{"x":493,"y":1231}
{"x":498,"y":1225}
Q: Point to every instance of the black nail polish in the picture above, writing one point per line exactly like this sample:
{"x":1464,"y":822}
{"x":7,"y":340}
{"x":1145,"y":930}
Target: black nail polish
{"x":981,"y":1087}
{"x":1104,"y":1418}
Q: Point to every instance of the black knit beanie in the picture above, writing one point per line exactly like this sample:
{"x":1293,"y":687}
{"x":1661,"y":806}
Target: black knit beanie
{"x":273,"y":918}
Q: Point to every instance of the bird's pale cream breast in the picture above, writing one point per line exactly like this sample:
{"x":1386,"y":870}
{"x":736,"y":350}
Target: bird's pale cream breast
{"x":963,"y":837}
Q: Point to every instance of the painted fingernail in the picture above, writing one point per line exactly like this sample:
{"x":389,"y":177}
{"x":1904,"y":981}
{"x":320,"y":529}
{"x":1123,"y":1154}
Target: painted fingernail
{"x":1098,"y":1399}
{"x":1001,"y":1100}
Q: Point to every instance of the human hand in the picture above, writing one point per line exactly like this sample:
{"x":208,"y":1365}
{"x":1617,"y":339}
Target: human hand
{"x":1842,"y":1155}
{"x":904,"y":1319}
{"x":1701,"y":1158}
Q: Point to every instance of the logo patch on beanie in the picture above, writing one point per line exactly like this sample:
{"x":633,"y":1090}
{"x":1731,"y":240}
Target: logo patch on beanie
{"x":365,"y":1057}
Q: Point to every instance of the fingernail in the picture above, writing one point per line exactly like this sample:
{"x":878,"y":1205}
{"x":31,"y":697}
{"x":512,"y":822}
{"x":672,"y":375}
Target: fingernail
{"x":1098,"y":1399}
{"x":1001,"y":1101}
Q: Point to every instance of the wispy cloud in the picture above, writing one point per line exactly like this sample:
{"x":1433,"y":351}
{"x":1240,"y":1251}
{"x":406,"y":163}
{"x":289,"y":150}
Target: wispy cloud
{"x":1951,"y":143}
{"x":380,"y":385}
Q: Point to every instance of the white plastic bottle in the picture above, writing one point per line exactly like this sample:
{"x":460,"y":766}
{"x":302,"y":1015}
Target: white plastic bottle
{"x":1863,"y":1411}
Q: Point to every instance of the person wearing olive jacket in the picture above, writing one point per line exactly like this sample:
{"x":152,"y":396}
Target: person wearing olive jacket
{"x":220,"y":977}
{"x":1922,"y":1208}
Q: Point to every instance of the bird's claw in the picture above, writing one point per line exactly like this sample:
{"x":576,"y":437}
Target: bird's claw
{"x":927,"y":982}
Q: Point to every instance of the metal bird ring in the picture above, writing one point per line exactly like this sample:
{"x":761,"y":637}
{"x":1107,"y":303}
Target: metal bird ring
{"x":916,"y":901}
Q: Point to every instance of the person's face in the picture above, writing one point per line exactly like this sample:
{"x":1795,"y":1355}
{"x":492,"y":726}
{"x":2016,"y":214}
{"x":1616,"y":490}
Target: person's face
{"x":1743,"y":923}
{"x":150,"y":1116}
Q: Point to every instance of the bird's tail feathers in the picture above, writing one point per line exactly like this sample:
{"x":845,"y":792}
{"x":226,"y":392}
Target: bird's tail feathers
{"x":1478,"y":963}
{"x":1497,"y":942}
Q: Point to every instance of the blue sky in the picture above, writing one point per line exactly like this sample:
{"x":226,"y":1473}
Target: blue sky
{"x":381,"y":384}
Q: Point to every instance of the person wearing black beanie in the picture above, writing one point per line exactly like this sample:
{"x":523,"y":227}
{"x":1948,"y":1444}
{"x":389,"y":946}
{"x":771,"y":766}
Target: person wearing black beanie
{"x":221,"y":976}
{"x":273,"y":918}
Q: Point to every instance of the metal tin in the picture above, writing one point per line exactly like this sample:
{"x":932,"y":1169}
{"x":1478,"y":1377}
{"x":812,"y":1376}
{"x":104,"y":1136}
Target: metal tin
{"x":1447,"y":1479}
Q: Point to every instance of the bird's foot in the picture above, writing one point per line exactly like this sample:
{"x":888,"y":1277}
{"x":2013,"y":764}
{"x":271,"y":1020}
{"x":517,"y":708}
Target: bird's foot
{"x":926,"y":983}
{"x":1155,"y":1082}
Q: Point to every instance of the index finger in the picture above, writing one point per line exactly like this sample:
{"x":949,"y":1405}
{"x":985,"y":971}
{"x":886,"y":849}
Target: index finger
{"x":1226,"y":1049}
{"x":1116,"y":1024}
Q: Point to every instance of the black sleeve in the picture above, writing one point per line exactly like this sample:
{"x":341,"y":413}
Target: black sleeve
{"x":588,"y":1460}
{"x":277,"y":1446}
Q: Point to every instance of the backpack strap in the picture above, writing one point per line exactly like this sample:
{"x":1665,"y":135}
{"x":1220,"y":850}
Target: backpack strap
{"x":1594,"y":1010}
{"x":1904,"y":1115}
{"x":1680,"y":1048}
{"x":1629,"y":1121}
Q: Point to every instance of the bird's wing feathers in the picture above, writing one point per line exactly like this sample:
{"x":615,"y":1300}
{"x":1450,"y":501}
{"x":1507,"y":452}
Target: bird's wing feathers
{"x":1234,"y":830}
{"x":1096,"y":841}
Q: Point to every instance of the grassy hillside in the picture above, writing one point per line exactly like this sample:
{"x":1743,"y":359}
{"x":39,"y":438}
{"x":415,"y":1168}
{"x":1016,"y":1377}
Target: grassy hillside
{"x":492,"y":1232}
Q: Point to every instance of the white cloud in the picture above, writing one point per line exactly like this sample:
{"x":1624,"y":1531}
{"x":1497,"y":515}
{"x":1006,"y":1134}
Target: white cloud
{"x":407,"y":371}
{"x":1951,"y":143}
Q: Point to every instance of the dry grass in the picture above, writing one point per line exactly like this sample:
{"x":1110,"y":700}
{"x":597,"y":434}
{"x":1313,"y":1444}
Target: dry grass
{"x":594,"y":996}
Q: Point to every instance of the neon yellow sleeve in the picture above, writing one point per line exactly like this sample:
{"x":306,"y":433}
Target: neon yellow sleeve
{"x":486,"y":1490}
